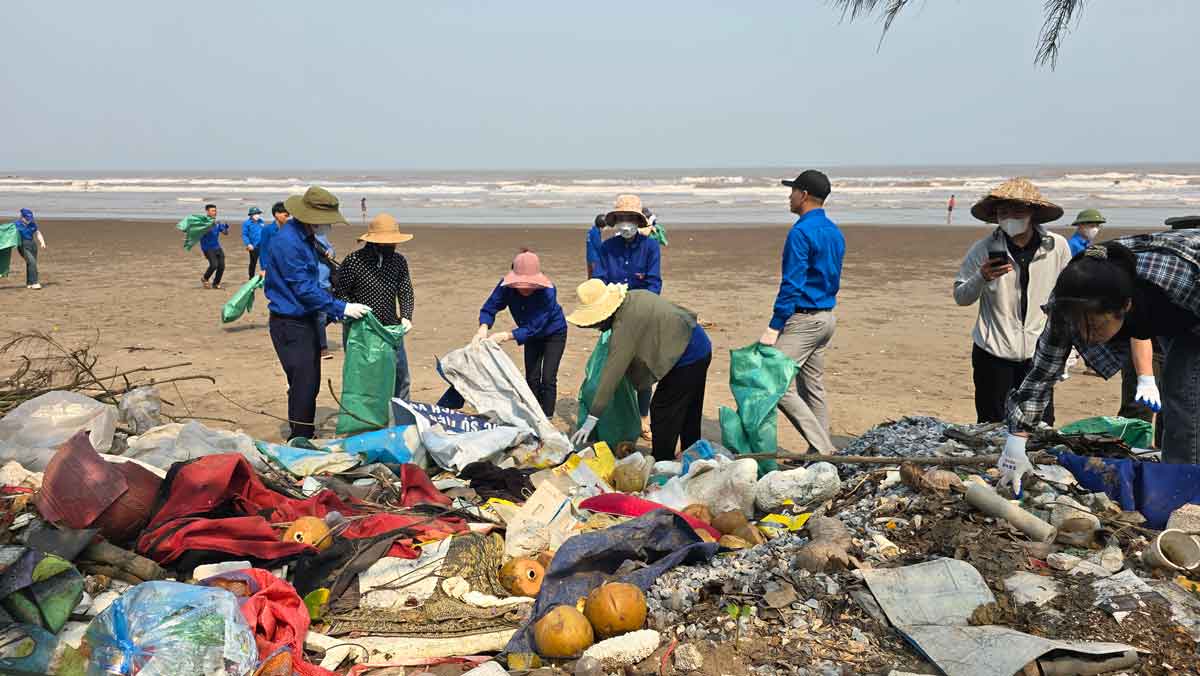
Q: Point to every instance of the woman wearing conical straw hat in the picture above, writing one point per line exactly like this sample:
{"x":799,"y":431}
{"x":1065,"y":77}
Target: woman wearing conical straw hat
{"x":1010,"y":273}
{"x":653,"y":340}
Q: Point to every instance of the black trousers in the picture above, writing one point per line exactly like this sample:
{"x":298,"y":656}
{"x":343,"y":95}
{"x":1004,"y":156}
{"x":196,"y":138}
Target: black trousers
{"x":994,"y":379}
{"x":296,"y":345}
{"x":676,"y":408}
{"x":253,"y":264}
{"x":216,"y":265}
{"x":542,"y":356}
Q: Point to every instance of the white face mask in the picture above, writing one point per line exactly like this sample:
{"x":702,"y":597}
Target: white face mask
{"x":1090,"y":233}
{"x":257,"y":217}
{"x":627,"y":230}
{"x":1014,"y":227}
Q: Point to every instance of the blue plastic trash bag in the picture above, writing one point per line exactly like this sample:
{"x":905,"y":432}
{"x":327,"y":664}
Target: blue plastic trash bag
{"x":171,"y":629}
{"x":1153,"y":488}
{"x":702,"y":450}
{"x":393,"y":445}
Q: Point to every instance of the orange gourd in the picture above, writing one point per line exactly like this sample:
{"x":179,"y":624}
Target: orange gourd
{"x":522,"y":577}
{"x":615,"y":608}
{"x":563,"y":633}
{"x":309,"y":530}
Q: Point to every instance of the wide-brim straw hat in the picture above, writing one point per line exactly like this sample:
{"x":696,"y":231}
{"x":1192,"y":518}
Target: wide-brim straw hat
{"x":628,"y":207}
{"x":317,"y":206}
{"x":384,"y":229}
{"x":1020,"y":191}
{"x":526,"y":273}
{"x":597,"y":302}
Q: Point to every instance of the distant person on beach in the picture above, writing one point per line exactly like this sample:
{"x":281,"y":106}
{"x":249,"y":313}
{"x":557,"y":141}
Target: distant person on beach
{"x":364,"y":210}
{"x":327,"y":258}
{"x":531,"y":299}
{"x":251,"y":236}
{"x":31,"y":241}
{"x":635,"y":260}
{"x":279,"y":216}
{"x":377,"y":276}
{"x":655,"y":230}
{"x":1087,"y":228}
{"x":950,"y":204}
{"x":295,"y":297}
{"x":210,"y":246}
{"x":1134,"y":287}
{"x":803,"y":322}
{"x":1010,"y":273}
{"x":652,"y":340}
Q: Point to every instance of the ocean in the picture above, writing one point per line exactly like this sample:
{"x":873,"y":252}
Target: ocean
{"x":1129,"y":195}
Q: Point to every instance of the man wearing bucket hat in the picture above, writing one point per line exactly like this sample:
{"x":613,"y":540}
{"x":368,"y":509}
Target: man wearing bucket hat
{"x":295,"y":298}
{"x":1087,"y":227}
{"x":652,"y":340}
{"x":635,"y":260}
{"x":530,"y":297}
{"x":377,"y":276}
{"x":252,"y":229}
{"x":802,"y":323}
{"x":1011,"y":273}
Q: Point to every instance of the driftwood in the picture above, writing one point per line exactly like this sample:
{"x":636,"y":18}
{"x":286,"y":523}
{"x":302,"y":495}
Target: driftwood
{"x":122,"y":560}
{"x":951,"y":461}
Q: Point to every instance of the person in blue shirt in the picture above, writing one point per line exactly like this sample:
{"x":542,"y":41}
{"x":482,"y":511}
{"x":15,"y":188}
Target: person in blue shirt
{"x":294,"y":299}
{"x":803,"y":322}
{"x":633,"y":259}
{"x":210,"y":245}
{"x":541,"y":327}
{"x":251,"y":236}
{"x":281,"y":216}
{"x":1087,"y":228}
{"x":31,"y":240}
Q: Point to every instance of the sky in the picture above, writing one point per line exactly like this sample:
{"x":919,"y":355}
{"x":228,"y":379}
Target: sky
{"x":300,"y":85}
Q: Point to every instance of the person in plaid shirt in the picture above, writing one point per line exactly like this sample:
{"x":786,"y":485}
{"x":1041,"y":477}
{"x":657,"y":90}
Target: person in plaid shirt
{"x":1129,"y":289}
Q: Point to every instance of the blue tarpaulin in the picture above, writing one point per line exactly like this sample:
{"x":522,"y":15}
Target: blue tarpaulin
{"x":1153,"y":488}
{"x":660,"y":540}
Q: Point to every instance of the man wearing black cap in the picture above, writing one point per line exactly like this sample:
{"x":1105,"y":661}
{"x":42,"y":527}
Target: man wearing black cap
{"x":803,"y":322}
{"x":1183,"y":222}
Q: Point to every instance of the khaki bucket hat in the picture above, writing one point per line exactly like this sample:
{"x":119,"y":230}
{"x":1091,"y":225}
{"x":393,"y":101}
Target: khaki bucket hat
{"x":627,"y":206}
{"x":1020,"y":191}
{"x":384,"y":229}
{"x":317,"y":206}
{"x":597,"y":302}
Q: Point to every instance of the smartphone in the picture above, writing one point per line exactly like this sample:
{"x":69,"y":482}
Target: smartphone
{"x":998,"y":256}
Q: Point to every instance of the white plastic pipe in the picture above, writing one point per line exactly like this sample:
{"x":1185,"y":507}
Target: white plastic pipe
{"x":989,"y":502}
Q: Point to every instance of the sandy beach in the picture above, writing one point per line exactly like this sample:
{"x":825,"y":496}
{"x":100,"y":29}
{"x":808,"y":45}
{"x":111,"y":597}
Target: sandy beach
{"x":902,"y":346}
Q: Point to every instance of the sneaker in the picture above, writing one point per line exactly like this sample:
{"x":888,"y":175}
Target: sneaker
{"x":218,"y":286}
{"x":326,"y":354}
{"x":205,"y":283}
{"x":34,"y":286}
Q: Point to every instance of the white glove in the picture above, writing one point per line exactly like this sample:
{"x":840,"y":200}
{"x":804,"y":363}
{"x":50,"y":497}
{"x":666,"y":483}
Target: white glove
{"x":481,"y":334}
{"x":356,"y":310}
{"x":406,"y":323}
{"x":1147,"y":393}
{"x":579,"y":439}
{"x":501,"y":337}
{"x":1013,"y":463}
{"x":769,"y":337}
{"x":41,"y":240}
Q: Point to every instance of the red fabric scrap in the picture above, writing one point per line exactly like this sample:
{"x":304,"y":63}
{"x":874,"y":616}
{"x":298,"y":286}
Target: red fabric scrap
{"x":426,"y":528}
{"x":633,"y":506}
{"x":277,"y":616}
{"x":417,"y":489}
{"x":237,"y":536}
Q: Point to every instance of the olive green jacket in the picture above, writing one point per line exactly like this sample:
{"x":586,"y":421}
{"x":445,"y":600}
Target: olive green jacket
{"x":649,"y":334}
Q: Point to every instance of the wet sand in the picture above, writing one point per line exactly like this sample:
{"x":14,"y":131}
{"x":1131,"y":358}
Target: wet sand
{"x":902,"y":346}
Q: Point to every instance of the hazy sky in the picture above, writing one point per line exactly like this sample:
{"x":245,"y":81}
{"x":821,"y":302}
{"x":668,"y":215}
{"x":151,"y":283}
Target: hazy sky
{"x":220,"y":84}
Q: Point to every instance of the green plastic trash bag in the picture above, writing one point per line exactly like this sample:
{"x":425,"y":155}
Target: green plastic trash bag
{"x":193,"y":228}
{"x":9,"y":240}
{"x":242,"y":300}
{"x":659,"y":234}
{"x":621,"y":420}
{"x":759,"y":376}
{"x":1136,"y":433}
{"x":368,"y":375}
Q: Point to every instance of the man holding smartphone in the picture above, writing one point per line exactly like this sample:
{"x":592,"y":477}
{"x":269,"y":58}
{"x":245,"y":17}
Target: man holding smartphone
{"x":1011,"y":273}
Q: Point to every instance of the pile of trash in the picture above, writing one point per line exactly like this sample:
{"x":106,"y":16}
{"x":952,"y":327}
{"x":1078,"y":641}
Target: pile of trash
{"x":476,"y":539}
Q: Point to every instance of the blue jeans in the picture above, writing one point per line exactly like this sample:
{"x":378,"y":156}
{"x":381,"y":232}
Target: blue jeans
{"x":403,"y":377}
{"x":1181,"y":400}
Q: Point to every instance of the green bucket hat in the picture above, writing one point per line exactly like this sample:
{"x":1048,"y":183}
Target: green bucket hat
{"x":1089,"y":216}
{"x":317,"y":206}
